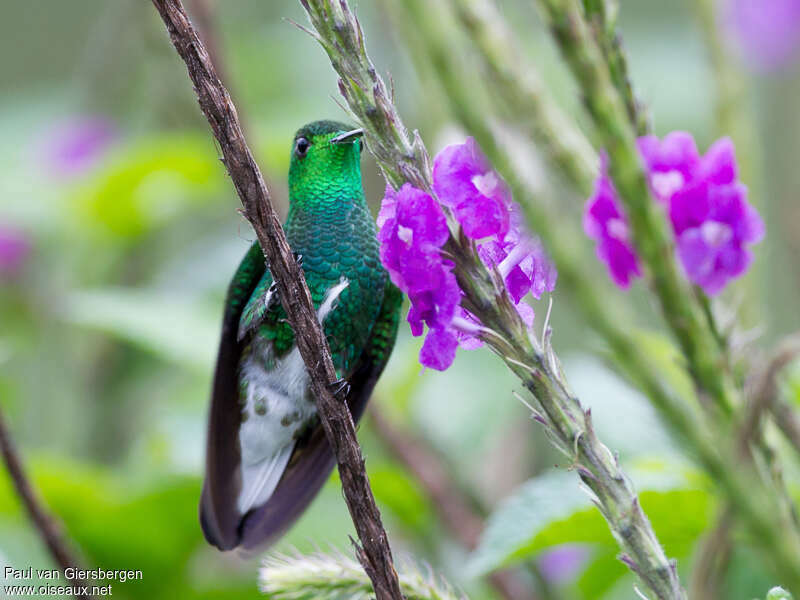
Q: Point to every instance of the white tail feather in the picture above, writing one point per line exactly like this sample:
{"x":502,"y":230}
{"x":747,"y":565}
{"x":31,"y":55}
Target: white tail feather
{"x":259,"y":480}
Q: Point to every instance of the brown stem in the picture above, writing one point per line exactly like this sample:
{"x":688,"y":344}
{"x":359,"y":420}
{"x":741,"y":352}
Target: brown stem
{"x":715,"y":550}
{"x":783,"y":415}
{"x":48,"y":528}
{"x":455,"y":512}
{"x":375,"y":554}
{"x":713,"y":558}
{"x":788,"y":421}
{"x":204,"y":16}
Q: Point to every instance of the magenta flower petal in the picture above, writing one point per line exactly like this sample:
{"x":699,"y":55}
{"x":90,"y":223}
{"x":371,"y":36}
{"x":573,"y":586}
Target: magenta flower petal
{"x":454,"y":169}
{"x":481,"y":217}
{"x":707,"y":207}
{"x":15,"y":248}
{"x":388,"y":210}
{"x":672,"y":162}
{"x":605,"y":222}
{"x":690,"y":206}
{"x":719,"y":163}
{"x":711,"y":257}
{"x":75,"y":146}
{"x":439,"y":349}
{"x":464,"y":180}
{"x":676,"y":152}
{"x":563,"y":563}
{"x":543,"y":272}
{"x":768,"y":31}
{"x":621,"y":259}
{"x":413,"y":229}
{"x":525,"y":311}
{"x":729,"y":205}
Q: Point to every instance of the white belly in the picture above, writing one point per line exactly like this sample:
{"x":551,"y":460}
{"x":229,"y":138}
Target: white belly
{"x":277,"y":408}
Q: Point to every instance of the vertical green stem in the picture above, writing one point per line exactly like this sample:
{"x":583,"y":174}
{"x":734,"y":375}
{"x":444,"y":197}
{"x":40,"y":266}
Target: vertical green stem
{"x":706,"y":361}
{"x":601,"y":15}
{"x":518,"y":87}
{"x":568,"y":424}
{"x":574,"y":278}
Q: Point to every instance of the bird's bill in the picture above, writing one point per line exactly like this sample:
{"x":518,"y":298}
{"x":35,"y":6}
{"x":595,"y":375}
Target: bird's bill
{"x":347,"y":136}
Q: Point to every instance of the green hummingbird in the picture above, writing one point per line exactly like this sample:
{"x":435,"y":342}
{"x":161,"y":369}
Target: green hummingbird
{"x":267,"y":455}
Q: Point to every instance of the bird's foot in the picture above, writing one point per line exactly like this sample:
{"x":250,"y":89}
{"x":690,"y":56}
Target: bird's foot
{"x":299,"y":258}
{"x":340,"y":389}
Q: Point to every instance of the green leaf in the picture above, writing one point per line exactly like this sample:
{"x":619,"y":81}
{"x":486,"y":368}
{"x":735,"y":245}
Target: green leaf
{"x":551,"y":510}
{"x":163,"y":324}
{"x":602,"y":573}
{"x":551,"y":497}
{"x":398,"y":492}
{"x":151,"y":526}
{"x":148,"y":182}
{"x":609,"y":396}
{"x":668,"y":359}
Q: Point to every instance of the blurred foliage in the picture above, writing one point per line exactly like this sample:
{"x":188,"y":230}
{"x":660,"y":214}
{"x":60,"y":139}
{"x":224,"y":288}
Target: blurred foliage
{"x":108,"y":330}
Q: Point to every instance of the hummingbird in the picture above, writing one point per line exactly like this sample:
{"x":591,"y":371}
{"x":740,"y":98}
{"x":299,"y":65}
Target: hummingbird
{"x":267,"y":455}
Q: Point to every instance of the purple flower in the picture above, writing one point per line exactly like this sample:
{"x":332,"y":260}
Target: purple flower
{"x":464,"y":180}
{"x":76,"y":145}
{"x":482,"y":204}
{"x":707,"y":206}
{"x":713,"y":221}
{"x":14,"y":251}
{"x":605,"y":222}
{"x":413,"y":230}
{"x":768,"y":31}
{"x":672,"y":162}
{"x":563,"y":563}
{"x":439,"y":348}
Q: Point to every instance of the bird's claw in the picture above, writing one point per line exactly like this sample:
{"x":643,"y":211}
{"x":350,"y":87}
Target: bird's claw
{"x":299,"y":258}
{"x":340,"y":389}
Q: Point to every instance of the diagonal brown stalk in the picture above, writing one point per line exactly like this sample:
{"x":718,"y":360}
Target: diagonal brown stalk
{"x":374,"y":553}
{"x":46,"y":525}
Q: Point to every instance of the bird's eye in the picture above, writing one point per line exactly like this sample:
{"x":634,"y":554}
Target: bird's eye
{"x":301,"y":147}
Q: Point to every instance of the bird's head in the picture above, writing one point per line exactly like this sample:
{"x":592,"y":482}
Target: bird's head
{"x":326,"y":156}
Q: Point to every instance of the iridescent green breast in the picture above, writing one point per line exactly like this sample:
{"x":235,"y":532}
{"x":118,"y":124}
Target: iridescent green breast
{"x":336,"y":239}
{"x":329,"y":224}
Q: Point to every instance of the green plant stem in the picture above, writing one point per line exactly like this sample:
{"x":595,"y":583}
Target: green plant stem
{"x":706,"y":361}
{"x":577,"y":281}
{"x":568,"y":425}
{"x":602,"y":17}
{"x":730,"y":106}
{"x":519,"y":88}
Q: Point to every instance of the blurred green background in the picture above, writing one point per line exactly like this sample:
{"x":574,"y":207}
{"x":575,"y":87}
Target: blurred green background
{"x":122,"y":231}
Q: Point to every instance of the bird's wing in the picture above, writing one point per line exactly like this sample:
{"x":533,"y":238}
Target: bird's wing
{"x":263,"y":300}
{"x":218,"y":515}
{"x":313,"y":458}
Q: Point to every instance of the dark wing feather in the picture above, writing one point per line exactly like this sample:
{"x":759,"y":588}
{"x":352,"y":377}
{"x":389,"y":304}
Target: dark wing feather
{"x":218,"y":516}
{"x":312,"y":462}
